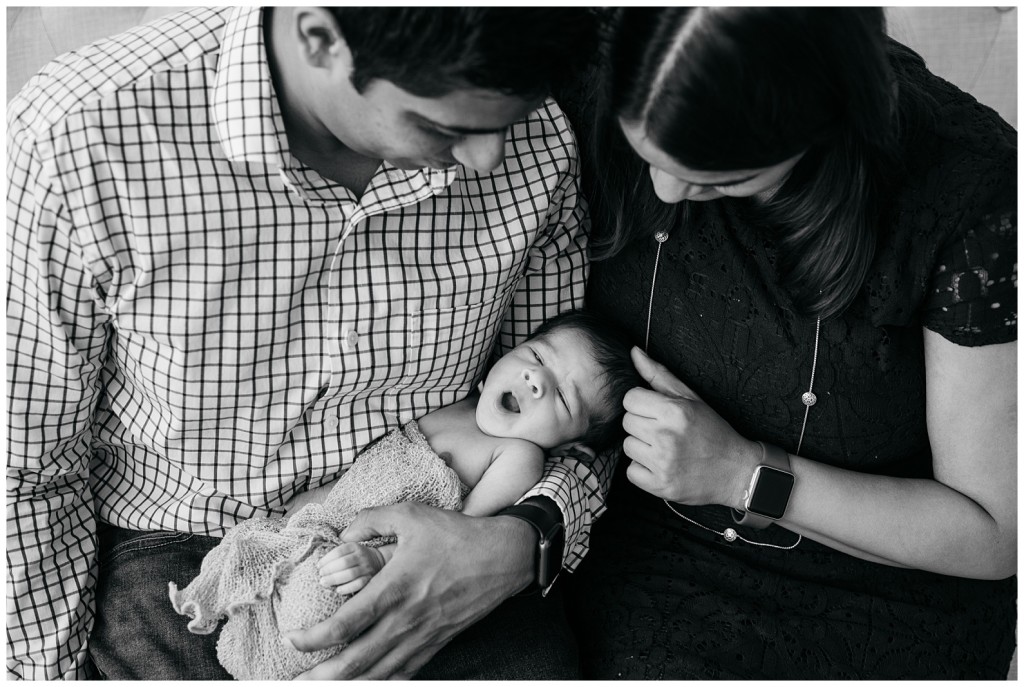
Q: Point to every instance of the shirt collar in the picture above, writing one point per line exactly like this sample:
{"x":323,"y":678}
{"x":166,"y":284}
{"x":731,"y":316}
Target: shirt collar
{"x":245,"y":109}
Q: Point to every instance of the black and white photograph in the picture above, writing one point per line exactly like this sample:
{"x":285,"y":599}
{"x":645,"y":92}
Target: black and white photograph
{"x":512,"y":342}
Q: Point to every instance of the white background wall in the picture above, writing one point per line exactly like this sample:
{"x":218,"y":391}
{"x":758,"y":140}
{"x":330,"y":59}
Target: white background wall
{"x":974,"y":47}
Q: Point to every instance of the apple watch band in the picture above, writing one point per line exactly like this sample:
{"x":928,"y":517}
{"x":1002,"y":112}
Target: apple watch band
{"x":546,"y":518}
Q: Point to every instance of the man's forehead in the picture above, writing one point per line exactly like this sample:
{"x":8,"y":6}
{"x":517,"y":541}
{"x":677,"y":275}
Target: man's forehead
{"x":454,"y":128}
{"x":469,"y":110}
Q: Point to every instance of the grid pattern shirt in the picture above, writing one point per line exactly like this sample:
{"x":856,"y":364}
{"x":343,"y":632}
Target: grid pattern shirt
{"x":199,"y":326}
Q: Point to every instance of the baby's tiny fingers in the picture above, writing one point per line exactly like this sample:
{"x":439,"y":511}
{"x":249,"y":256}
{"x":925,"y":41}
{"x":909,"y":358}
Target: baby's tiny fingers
{"x":353,"y":586}
{"x":337,"y":552}
{"x":331,"y":576}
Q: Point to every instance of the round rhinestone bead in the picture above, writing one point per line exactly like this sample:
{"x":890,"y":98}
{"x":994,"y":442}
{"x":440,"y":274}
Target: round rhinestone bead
{"x":809,"y":399}
{"x":661,"y":236}
{"x":729,"y":534}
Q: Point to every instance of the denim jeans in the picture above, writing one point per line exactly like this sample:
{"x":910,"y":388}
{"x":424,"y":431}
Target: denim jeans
{"x":139,"y":636}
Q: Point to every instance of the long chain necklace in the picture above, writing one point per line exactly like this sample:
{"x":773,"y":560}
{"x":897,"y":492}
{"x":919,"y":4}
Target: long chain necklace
{"x":808,"y":398}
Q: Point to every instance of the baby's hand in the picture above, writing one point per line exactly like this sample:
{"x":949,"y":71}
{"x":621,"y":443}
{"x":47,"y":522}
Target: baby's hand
{"x":349,"y":567}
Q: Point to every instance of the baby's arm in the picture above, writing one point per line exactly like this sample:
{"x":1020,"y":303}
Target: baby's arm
{"x":350,"y":566}
{"x":514,"y":471}
{"x":315,"y":495}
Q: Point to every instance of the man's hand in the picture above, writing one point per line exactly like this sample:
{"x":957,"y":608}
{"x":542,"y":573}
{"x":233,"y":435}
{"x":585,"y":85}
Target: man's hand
{"x":448,"y":571}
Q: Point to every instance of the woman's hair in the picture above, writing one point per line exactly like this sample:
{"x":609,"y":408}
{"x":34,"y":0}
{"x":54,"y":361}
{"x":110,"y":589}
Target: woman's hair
{"x":431,"y":51}
{"x":611,"y":348}
{"x":726,"y":89}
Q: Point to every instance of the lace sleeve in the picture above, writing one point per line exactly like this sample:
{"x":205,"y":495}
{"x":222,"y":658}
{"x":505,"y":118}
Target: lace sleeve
{"x":972,"y":297}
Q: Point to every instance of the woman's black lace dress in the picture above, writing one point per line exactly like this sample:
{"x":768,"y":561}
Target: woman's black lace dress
{"x":660,"y":598}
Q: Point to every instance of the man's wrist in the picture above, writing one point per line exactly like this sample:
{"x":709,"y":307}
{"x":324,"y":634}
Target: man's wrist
{"x":545,"y":521}
{"x":520,"y":544}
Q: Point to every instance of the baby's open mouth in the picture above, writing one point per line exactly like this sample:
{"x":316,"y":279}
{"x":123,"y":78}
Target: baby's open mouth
{"x":509,"y":402}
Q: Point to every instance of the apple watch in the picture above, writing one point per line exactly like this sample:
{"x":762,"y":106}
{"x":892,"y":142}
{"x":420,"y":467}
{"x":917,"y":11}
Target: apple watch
{"x":771,"y":485}
{"x":546,"y":518}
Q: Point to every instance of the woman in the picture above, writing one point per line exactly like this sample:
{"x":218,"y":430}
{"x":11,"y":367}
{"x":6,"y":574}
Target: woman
{"x":821,"y":481}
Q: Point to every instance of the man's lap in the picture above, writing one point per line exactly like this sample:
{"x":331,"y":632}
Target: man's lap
{"x":138,"y":635}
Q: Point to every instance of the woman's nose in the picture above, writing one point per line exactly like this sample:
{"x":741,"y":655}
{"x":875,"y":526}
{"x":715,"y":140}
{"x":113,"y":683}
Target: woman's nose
{"x":671,"y":189}
{"x":535,"y":381}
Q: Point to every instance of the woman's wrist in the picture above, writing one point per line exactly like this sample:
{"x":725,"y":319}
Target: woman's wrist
{"x":747,"y":458}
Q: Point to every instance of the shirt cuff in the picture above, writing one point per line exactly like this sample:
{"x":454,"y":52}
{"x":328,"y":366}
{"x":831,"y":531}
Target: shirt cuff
{"x":576,"y":492}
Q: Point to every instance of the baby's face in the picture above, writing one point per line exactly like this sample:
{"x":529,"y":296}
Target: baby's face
{"x":543,"y":391}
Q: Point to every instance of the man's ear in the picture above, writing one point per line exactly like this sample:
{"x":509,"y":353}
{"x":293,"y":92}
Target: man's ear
{"x":574,"y":449}
{"x":320,"y":42}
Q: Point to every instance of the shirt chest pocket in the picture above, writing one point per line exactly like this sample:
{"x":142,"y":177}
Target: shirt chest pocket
{"x":446,"y":347}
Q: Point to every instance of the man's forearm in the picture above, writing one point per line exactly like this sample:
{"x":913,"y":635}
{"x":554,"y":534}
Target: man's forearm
{"x":50,"y":564}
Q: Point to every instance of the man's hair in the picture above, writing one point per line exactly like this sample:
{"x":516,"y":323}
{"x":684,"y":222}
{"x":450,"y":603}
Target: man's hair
{"x":610,"y":347}
{"x":432,"y":51}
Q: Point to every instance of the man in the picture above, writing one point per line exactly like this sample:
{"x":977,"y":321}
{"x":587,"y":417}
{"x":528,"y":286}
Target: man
{"x":243,"y":244}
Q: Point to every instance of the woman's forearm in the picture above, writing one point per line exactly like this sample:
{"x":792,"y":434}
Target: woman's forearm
{"x":916,"y":523}
{"x":961,"y":522}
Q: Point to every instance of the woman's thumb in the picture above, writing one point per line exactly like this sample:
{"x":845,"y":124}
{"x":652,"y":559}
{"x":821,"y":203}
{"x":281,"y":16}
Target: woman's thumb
{"x":658,"y":376}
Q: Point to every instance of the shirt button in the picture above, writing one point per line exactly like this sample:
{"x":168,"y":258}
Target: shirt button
{"x":332,"y":422}
{"x":352,"y":338}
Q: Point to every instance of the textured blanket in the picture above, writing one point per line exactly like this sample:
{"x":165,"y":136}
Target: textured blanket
{"x":263,"y":576}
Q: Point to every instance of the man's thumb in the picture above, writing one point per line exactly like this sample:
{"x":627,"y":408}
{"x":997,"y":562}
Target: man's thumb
{"x":368,"y":523}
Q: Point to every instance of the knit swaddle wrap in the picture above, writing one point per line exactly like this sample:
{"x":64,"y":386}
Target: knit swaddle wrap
{"x":263,"y":575}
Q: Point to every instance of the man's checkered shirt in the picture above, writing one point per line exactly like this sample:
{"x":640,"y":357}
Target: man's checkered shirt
{"x":199,"y":326}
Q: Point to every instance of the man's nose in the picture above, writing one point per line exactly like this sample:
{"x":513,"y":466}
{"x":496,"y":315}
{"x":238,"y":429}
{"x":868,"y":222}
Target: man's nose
{"x":535,"y":382}
{"x":481,"y":152}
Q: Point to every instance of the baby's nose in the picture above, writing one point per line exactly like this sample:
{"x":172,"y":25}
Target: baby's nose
{"x":534,"y":381}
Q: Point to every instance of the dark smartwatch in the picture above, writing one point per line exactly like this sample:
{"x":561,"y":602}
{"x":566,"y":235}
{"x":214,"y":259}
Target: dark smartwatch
{"x":546,"y":518}
{"x":771,"y":485}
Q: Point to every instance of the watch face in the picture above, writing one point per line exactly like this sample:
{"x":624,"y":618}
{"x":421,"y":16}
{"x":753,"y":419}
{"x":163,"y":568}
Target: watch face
{"x":771,"y":492}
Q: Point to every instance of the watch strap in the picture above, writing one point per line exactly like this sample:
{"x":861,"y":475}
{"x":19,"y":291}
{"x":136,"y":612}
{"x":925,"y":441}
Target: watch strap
{"x":546,"y":519}
{"x":772,"y":456}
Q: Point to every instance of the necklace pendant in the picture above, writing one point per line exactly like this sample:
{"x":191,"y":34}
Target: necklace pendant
{"x":729,"y":534}
{"x":661,"y":236}
{"x":809,"y":399}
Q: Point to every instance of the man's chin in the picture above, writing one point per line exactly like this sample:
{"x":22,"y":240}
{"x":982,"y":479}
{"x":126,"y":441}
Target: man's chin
{"x":407,"y":165}
{"x":413,"y":165}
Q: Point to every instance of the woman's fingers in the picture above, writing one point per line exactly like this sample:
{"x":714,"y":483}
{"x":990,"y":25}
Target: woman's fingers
{"x":638,"y":426}
{"x":642,"y":477}
{"x":659,"y":377}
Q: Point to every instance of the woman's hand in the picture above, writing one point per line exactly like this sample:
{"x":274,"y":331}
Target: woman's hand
{"x":681,"y":449}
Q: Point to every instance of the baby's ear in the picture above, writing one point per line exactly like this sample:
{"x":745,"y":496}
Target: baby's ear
{"x":574,"y":449}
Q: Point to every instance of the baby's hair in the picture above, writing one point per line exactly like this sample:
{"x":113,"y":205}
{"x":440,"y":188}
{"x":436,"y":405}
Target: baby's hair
{"x":610,"y":347}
